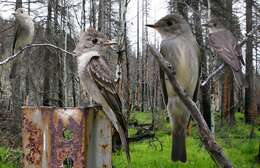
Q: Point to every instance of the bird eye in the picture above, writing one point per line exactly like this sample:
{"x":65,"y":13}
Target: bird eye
{"x":169,"y":23}
{"x":21,"y":11}
{"x":94,"y":41}
{"x":214,"y":24}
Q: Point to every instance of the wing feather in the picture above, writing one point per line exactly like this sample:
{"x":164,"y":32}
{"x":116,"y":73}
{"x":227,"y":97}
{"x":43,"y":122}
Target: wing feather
{"x":17,"y":33}
{"x":102,"y":76}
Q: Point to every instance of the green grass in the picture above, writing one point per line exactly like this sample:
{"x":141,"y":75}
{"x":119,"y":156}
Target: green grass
{"x":9,"y":158}
{"x":241,"y":153}
{"x":234,"y":140}
{"x":141,"y":117}
{"x":148,"y":153}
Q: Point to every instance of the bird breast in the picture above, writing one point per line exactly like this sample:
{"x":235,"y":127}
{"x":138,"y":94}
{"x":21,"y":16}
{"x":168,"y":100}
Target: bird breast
{"x":183,"y":53}
{"x":84,"y":59}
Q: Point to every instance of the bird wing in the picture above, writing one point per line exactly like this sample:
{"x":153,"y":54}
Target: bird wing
{"x":102,"y":76}
{"x":226,"y":46}
{"x":196,"y":91}
{"x":163,"y":86}
{"x":162,"y":79}
{"x":17,"y":32}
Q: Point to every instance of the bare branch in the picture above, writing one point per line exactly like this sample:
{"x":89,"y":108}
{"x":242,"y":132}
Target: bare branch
{"x":8,"y":28}
{"x":249,"y":35}
{"x":33,"y":45}
{"x":207,"y":138}
{"x":212,"y":74}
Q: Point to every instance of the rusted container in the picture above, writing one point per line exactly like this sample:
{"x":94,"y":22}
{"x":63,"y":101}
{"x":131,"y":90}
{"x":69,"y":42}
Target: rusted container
{"x":66,"y":137}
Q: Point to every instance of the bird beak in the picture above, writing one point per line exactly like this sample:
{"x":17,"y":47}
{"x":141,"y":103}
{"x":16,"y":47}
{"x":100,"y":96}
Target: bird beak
{"x":14,"y":14}
{"x":109,"y":43}
{"x":152,"y":26}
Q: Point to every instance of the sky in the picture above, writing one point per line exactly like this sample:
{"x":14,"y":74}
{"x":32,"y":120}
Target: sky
{"x":157,"y":9}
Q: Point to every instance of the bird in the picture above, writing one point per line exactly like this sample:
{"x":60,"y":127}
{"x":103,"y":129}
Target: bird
{"x":179,"y":47}
{"x":226,"y":46}
{"x":24,"y":30}
{"x":97,"y":80}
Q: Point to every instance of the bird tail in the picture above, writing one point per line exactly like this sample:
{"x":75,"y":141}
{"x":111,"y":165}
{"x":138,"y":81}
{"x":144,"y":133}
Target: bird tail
{"x":240,"y":79}
{"x":124,"y":140}
{"x":178,"y":145}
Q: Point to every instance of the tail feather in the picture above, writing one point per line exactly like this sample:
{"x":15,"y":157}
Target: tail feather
{"x":178,"y":145}
{"x":125,"y":143}
{"x":240,"y":79}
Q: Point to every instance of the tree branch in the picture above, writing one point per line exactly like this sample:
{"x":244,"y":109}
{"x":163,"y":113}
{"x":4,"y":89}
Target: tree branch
{"x":249,"y":35}
{"x":207,"y":138}
{"x":33,"y":45}
{"x":212,"y":74}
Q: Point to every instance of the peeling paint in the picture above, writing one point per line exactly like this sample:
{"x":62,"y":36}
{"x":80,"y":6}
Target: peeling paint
{"x":44,"y":145}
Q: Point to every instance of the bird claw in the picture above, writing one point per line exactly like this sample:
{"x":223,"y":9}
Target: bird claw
{"x":171,"y":67}
{"x":28,"y":45}
{"x":93,"y":103}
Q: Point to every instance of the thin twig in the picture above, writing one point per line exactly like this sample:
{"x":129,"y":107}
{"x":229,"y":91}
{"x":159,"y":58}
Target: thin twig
{"x":212,"y":75}
{"x":33,"y":45}
{"x":6,"y":29}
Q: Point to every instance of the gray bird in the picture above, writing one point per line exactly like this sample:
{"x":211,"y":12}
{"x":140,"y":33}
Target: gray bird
{"x":24,"y":30}
{"x":224,"y":43}
{"x":97,"y":80}
{"x":180,"y":48}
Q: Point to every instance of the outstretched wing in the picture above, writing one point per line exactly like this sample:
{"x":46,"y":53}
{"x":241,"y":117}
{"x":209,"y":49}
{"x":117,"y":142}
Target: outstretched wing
{"x":226,"y":46}
{"x":102,"y":75}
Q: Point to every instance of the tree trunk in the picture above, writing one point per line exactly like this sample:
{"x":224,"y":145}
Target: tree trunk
{"x":137,"y":89}
{"x":16,"y":94}
{"x":92,"y":15}
{"x":250,"y":105}
{"x":46,"y":75}
{"x":101,"y":20}
{"x":205,"y":90}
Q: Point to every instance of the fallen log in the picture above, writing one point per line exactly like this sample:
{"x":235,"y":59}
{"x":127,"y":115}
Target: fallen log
{"x":140,"y":137}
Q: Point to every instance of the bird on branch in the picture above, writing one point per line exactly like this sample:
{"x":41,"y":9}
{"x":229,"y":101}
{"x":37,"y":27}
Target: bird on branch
{"x":180,"y":48}
{"x":24,"y":30}
{"x":224,"y":43}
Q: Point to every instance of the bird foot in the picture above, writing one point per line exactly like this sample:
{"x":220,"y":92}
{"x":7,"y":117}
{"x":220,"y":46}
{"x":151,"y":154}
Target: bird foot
{"x":29,"y":45}
{"x":171,"y":68}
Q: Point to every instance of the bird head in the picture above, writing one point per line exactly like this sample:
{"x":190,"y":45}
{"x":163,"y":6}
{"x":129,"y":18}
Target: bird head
{"x":92,"y":40}
{"x":171,"y":25}
{"x":215,"y":23}
{"x":20,"y":13}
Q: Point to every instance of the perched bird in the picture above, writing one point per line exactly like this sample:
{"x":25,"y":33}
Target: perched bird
{"x":97,"y":80}
{"x":180,"y":48}
{"x":224,"y":43}
{"x":24,"y":29}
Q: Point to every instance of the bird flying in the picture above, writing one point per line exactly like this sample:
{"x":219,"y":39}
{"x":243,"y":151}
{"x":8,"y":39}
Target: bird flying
{"x":97,"y":80}
{"x":24,"y":30}
{"x":180,"y":48}
{"x":224,"y":43}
